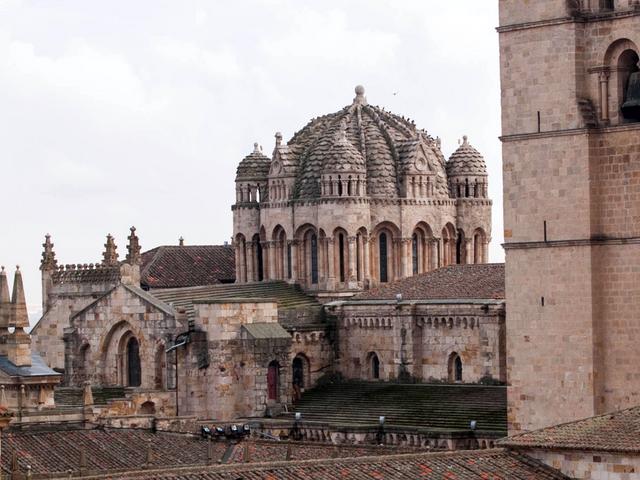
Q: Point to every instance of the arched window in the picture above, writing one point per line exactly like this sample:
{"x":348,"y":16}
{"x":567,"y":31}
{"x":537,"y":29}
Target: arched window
{"x":341,"y":256}
{"x":415,"y":257}
{"x":314,"y":258}
{"x":383,"y":250}
{"x":289,"y":275}
{"x":273,"y":380}
{"x":259,"y":258}
{"x":461,"y":248}
{"x":134,"y":373}
{"x":339,"y":186}
{"x":607,"y":5}
{"x":375,"y":366}
{"x":455,"y":368}
{"x":629,"y":85}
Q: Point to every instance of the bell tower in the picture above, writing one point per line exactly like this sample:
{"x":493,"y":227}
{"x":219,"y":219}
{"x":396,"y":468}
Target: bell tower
{"x":571,"y":169}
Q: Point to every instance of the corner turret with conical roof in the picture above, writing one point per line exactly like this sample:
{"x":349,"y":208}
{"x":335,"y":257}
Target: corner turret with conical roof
{"x":467,"y":172}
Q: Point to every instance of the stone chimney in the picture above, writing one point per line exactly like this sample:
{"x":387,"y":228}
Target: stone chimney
{"x":19,"y":342}
{"x":130,"y":269}
{"x":110,"y":256}
{"x":48,"y":266}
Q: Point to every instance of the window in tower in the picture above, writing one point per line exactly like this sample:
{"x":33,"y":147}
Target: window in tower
{"x":383,"y":257}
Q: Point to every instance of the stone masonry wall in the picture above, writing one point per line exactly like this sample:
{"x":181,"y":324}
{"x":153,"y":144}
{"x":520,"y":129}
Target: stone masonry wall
{"x":420,"y":339}
{"x":235,"y":381}
{"x":590,"y":465}
{"x":96,"y":344}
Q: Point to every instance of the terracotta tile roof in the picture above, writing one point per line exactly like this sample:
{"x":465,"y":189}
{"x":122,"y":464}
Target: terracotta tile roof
{"x":469,"y":465}
{"x":483,"y":281}
{"x":187,"y":266}
{"x":611,"y":432}
{"x":105,"y":451}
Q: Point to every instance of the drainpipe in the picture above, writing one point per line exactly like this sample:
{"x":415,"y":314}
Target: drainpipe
{"x":172,"y":348}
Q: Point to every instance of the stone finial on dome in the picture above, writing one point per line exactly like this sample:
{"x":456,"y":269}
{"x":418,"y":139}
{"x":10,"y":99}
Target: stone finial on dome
{"x":110,"y":256}
{"x":256,"y":147}
{"x":278,"y":139}
{"x":49,"y":261}
{"x":360,"y":98}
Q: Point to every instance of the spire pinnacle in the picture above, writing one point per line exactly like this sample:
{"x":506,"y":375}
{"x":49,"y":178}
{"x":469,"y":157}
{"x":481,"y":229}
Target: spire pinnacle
{"x":110,"y":256}
{"x":256,"y":147}
{"x":49,"y":261}
{"x":19,"y":315}
{"x":181,"y":241}
{"x":341,"y":136}
{"x":133,"y":248}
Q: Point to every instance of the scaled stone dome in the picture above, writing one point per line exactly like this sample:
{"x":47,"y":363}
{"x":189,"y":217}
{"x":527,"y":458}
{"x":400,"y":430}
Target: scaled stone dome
{"x":253,"y":166}
{"x":466,"y":160}
{"x":378,"y":142}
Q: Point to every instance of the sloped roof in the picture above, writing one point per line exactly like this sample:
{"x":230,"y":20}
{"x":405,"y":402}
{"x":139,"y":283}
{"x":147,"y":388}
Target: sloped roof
{"x":481,"y":281}
{"x":612,"y":432}
{"x":469,"y":465}
{"x":264,"y":330}
{"x":176,"y":266}
{"x":38,"y":367}
{"x":287,"y":296}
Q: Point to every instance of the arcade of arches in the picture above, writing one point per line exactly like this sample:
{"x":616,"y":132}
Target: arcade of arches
{"x":344,"y":260}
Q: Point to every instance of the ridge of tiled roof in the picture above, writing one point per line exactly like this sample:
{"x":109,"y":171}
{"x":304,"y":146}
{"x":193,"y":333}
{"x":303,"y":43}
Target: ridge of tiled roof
{"x":470,"y":465}
{"x":611,"y":432}
{"x":478,"y":281}
{"x":466,"y":160}
{"x":174,"y":266}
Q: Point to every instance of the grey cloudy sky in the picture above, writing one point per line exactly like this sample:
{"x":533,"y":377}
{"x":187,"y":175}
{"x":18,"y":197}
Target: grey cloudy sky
{"x":125,"y":112}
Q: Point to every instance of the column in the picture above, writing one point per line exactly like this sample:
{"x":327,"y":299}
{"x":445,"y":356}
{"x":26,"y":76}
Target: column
{"x":238,"y":263}
{"x":468,"y":248}
{"x":366,"y":269}
{"x":406,"y":259}
{"x":270,"y":250}
{"x":433,"y":253}
{"x":294,"y":260}
{"x":352,"y":260}
{"x":250,"y":260}
{"x":603,"y":77}
{"x":331,"y":277}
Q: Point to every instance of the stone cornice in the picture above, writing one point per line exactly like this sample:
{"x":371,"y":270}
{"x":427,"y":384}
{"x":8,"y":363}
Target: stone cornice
{"x":570,"y":132}
{"x":572,"y":243}
{"x":583,"y":17}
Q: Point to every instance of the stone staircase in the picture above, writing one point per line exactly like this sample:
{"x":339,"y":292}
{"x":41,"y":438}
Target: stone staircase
{"x":67,"y":397}
{"x":434,"y":407}
{"x":289,"y":297}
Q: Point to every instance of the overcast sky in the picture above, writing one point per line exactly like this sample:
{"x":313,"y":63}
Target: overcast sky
{"x":119,"y":113}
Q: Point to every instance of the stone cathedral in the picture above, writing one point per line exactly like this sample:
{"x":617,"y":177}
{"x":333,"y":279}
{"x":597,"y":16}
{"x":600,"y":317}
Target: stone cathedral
{"x":355,"y":199}
{"x":359,"y":206}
